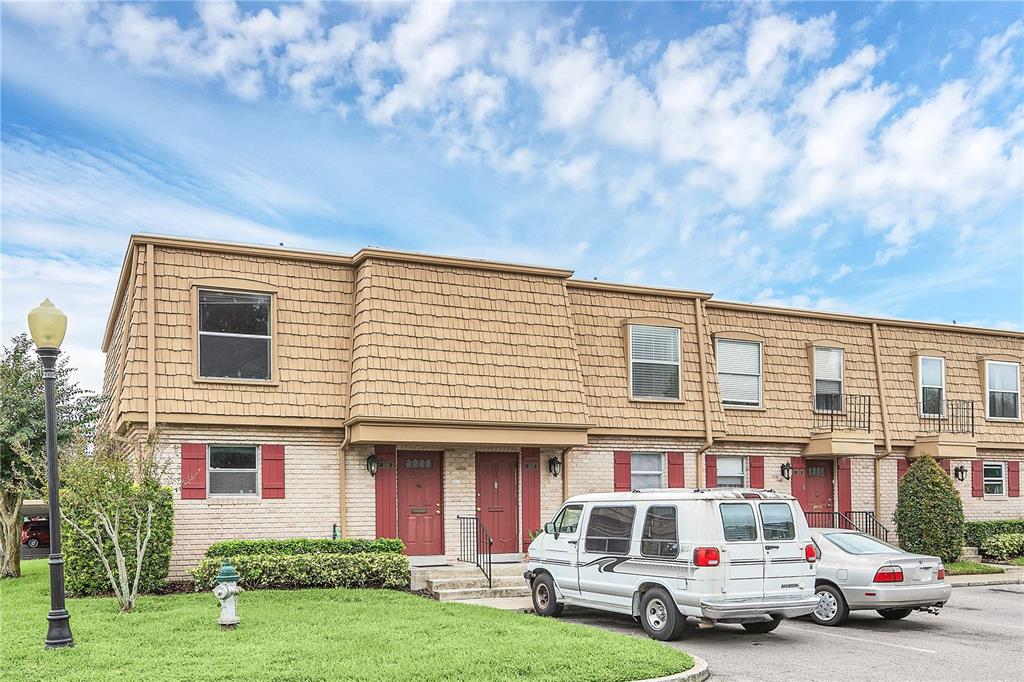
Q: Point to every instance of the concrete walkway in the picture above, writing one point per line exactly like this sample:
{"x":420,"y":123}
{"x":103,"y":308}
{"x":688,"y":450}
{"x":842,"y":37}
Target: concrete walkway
{"x":1013,"y":575}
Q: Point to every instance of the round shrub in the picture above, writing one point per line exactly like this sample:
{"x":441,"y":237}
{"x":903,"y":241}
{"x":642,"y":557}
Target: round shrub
{"x":1004,"y":546}
{"x":929,"y":515}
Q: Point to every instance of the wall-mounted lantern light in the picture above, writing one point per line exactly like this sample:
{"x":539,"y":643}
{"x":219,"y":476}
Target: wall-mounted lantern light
{"x":371,"y":465}
{"x":786,"y":470}
{"x":960,"y":472}
{"x":555,"y":466}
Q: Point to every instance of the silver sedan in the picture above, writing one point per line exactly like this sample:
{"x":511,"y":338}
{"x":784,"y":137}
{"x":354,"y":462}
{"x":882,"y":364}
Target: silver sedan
{"x":859,"y":572}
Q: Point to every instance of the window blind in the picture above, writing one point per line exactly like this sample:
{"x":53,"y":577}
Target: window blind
{"x":654,"y":357}
{"x":739,"y":371}
{"x":828,"y":364}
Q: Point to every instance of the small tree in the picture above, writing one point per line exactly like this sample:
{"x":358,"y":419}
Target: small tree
{"x":929,"y":514}
{"x":114,"y":503}
{"x":23,"y":435}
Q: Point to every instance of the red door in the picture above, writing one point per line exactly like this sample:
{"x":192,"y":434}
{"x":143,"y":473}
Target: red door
{"x":420,"y":515}
{"x":496,"y":499}
{"x":818,"y":493}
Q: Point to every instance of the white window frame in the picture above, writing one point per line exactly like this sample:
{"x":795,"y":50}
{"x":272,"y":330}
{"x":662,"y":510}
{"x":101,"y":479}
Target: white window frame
{"x":678,"y":364}
{"x":760,"y":375}
{"x":988,"y":390}
{"x":660,"y":472}
{"x":743,"y":470}
{"x":842,"y":376}
{"x":985,"y":480}
{"x":259,"y":471}
{"x":921,"y":386}
{"x":200,"y":333}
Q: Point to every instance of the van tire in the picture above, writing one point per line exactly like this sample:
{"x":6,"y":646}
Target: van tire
{"x":894,"y":614}
{"x":543,"y":592}
{"x":837,"y":606}
{"x":660,"y":617}
{"x":762,"y":627}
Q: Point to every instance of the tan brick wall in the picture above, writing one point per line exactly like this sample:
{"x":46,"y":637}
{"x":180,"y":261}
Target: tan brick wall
{"x":990,"y":506}
{"x":592,"y":468}
{"x":308,"y":510}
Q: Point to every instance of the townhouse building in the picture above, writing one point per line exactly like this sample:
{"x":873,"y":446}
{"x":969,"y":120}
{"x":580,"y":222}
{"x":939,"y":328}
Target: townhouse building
{"x":388,"y":394}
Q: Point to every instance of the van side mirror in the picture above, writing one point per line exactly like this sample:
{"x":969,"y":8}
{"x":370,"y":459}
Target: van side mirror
{"x":549,"y":528}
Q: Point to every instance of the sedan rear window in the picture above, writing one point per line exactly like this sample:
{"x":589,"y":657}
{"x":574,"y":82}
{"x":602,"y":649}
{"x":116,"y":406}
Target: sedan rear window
{"x":738,"y":522}
{"x":855,"y":543}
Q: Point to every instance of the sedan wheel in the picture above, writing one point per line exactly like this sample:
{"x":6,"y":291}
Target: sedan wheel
{"x":33,"y":543}
{"x":831,"y":608}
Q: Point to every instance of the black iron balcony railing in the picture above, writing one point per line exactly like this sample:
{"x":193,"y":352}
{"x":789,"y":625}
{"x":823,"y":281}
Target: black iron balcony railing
{"x":864,"y":521}
{"x":841,"y":412}
{"x":949,"y":416}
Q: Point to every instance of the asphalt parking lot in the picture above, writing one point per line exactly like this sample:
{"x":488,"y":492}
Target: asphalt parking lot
{"x":979,"y":635}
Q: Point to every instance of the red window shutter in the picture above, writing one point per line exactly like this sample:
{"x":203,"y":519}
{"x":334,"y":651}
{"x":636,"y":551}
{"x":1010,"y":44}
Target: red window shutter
{"x":944,"y":463}
{"x":902,"y":464}
{"x":273,"y":471}
{"x":1013,"y":479}
{"x":711,"y":469}
{"x":675,"y":470}
{"x":977,"y":479}
{"x":798,"y":479}
{"x":844,"y":484}
{"x":531,"y":493}
{"x":756,"y":465}
{"x":386,"y":491}
{"x":623,"y":467}
{"x":193,"y":471}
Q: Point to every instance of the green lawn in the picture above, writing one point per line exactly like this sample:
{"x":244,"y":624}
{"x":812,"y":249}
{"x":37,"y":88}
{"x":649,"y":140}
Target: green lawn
{"x":970,"y":568}
{"x":311,"y":634}
{"x":1019,"y":561}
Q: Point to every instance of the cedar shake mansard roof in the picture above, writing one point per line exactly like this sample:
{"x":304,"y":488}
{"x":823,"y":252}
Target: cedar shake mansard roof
{"x":415,"y":348}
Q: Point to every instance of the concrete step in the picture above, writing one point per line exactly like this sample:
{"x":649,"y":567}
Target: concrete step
{"x":474,"y":581}
{"x":482,"y":593}
{"x":459,"y":570}
{"x":970,"y":554}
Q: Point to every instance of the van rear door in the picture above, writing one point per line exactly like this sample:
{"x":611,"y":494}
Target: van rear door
{"x":743,"y":554}
{"x":786,"y":569}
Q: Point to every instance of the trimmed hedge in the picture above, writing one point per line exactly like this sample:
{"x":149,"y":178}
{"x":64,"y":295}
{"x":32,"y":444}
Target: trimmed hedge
{"x":1004,"y":546}
{"x":929,"y":514}
{"x":234,"y":548}
{"x":976,"y":532}
{"x":365,"y":569}
{"x":83,"y":571}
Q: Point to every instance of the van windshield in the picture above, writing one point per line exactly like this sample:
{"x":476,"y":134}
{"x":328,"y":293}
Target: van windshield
{"x":855,"y":543}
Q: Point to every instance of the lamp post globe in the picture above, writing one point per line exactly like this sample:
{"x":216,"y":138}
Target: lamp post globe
{"x":47,"y":325}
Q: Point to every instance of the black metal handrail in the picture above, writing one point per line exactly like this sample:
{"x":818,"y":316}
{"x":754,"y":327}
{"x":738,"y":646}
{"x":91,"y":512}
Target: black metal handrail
{"x":841,"y":412}
{"x":475,"y":545}
{"x":955,"y":416}
{"x":864,"y":521}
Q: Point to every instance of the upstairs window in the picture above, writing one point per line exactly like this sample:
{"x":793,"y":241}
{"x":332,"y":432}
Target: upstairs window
{"x":645,"y":471}
{"x":233,"y":470}
{"x":730,"y":472}
{"x":654,"y":362}
{"x":234,"y":335}
{"x":828,"y":379}
{"x":1003,"y":388}
{"x":933,"y":387}
{"x":739,"y":372}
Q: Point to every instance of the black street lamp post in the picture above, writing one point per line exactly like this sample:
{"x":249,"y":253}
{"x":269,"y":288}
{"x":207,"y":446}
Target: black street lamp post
{"x":47,"y":325}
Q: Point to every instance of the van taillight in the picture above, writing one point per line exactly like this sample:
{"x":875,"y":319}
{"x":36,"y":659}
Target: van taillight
{"x":706,"y":556}
{"x":889,"y":574}
{"x":810,"y":554}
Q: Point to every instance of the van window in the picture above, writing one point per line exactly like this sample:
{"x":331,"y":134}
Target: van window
{"x":738,"y":522}
{"x":659,"y":537}
{"x":777,"y":521}
{"x":568,"y":520}
{"x":610,"y":529}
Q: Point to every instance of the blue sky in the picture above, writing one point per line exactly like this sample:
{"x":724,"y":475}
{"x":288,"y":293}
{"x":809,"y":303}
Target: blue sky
{"x":857,"y":157}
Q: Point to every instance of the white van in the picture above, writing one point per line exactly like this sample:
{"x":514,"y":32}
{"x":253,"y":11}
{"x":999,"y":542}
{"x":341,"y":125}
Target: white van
{"x":721,"y":556}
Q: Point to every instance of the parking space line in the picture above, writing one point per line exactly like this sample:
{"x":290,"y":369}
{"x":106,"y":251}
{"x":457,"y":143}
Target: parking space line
{"x":870,"y":641}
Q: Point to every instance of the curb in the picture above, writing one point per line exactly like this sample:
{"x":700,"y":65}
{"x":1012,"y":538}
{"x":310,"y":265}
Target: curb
{"x":984,"y":583}
{"x":698,"y":673}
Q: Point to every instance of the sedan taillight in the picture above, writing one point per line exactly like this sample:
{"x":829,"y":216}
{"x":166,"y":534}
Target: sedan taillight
{"x":706,"y":556}
{"x":941,"y":575}
{"x":889,"y":574}
{"x":810,"y":554}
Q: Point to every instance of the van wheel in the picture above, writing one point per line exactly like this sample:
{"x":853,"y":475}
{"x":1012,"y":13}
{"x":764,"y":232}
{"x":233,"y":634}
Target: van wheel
{"x":894,"y":614}
{"x":544,"y":603}
{"x":762,"y":627}
{"x":660,"y":617}
{"x":831,"y":608}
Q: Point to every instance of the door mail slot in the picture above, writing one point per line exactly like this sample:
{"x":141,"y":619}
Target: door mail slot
{"x":418,"y":510}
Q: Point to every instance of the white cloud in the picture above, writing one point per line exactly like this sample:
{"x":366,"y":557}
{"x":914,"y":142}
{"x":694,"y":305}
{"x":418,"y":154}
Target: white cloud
{"x":576,"y":173}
